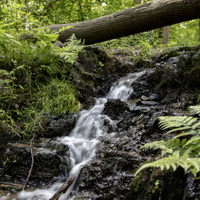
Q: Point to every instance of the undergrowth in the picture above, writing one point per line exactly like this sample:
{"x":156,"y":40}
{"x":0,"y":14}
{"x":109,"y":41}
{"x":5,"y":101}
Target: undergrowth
{"x":35,"y":80}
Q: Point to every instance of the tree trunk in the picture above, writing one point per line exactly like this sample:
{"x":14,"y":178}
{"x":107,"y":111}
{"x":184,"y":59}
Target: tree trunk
{"x":138,"y":1}
{"x":166,"y":34}
{"x":148,"y":16}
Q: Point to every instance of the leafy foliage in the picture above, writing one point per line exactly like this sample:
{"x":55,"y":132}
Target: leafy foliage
{"x":57,"y":98}
{"x":28,"y":72}
{"x":183,"y":149}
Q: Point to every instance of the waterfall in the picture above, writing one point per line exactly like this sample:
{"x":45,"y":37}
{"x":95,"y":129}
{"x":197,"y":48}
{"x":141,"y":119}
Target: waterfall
{"x":84,"y":138}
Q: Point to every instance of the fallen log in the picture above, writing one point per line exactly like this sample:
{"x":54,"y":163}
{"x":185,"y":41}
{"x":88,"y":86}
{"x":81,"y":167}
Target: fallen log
{"x":145,"y":17}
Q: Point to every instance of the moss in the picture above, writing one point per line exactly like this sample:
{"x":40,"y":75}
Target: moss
{"x":151,"y":180}
{"x":165,"y":55}
{"x":136,"y":184}
{"x":154,"y":184}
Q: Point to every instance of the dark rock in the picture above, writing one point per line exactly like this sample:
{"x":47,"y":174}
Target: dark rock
{"x":196,"y":59}
{"x":93,"y":72}
{"x":114,"y":108}
{"x":166,"y":185}
{"x":193,"y":80}
{"x":58,"y":127}
{"x":141,"y":109}
{"x":46,"y":166}
{"x":152,"y":123}
{"x":149,"y":103}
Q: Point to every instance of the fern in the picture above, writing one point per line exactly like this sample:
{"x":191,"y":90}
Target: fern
{"x":177,"y":152}
{"x":173,"y":161}
{"x":195,"y":108}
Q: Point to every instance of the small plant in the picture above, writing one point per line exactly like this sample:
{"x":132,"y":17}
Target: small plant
{"x":145,"y":51}
{"x":58,"y":98}
{"x":183,"y":149}
{"x":70,"y":50}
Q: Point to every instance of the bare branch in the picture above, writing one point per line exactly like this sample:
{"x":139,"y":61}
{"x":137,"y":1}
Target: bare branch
{"x":32,"y":158}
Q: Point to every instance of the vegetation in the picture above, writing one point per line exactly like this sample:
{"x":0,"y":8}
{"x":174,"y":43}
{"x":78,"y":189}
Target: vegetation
{"x":35,"y":80}
{"x":35,"y":77}
{"x":183,"y":149}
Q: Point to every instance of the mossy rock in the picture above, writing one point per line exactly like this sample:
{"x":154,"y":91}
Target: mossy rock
{"x":146,"y":186}
{"x":169,"y":53}
{"x":154,"y":184}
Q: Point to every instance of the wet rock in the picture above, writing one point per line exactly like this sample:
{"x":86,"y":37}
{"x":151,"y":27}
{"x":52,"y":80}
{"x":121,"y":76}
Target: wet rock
{"x":108,"y":184}
{"x":163,"y":78}
{"x":193,"y":80}
{"x":173,"y":60}
{"x":196,"y":59}
{"x":93,"y":72}
{"x":119,"y":111}
{"x":155,"y":94}
{"x":110,"y":173}
{"x":184,"y":60}
{"x":149,"y":103}
{"x":137,"y":119}
{"x":166,"y":185}
{"x":144,"y":98}
{"x":114,"y":108}
{"x":46,"y":166}
{"x":154,"y":119}
{"x":141,"y":109}
{"x":58,"y":126}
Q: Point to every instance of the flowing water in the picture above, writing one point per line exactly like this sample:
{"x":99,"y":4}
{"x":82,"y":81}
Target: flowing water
{"x":83,"y":139}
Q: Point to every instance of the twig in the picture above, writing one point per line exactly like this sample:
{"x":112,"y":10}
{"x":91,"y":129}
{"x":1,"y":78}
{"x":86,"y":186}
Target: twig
{"x":11,"y":185}
{"x":32,"y":158}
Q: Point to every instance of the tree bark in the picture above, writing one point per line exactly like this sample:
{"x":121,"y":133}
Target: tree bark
{"x":166,"y":34}
{"x":145,"y":17}
{"x":138,"y":1}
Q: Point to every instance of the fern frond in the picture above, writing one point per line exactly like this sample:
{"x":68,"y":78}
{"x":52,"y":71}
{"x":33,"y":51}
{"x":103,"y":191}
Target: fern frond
{"x":184,"y":153}
{"x":195,"y":108}
{"x":166,"y":146}
{"x":178,"y":123}
{"x":155,"y":145}
{"x":166,"y":122}
{"x":186,"y":133}
{"x":175,"y":143}
{"x":194,"y":139}
{"x":196,"y":125}
{"x":174,"y":161}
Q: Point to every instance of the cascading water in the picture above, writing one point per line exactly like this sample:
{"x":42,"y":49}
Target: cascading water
{"x":83,"y":139}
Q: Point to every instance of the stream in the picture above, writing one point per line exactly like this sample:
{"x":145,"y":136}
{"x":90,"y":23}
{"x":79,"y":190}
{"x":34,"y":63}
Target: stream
{"x":83,"y":139}
{"x":98,"y":149}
